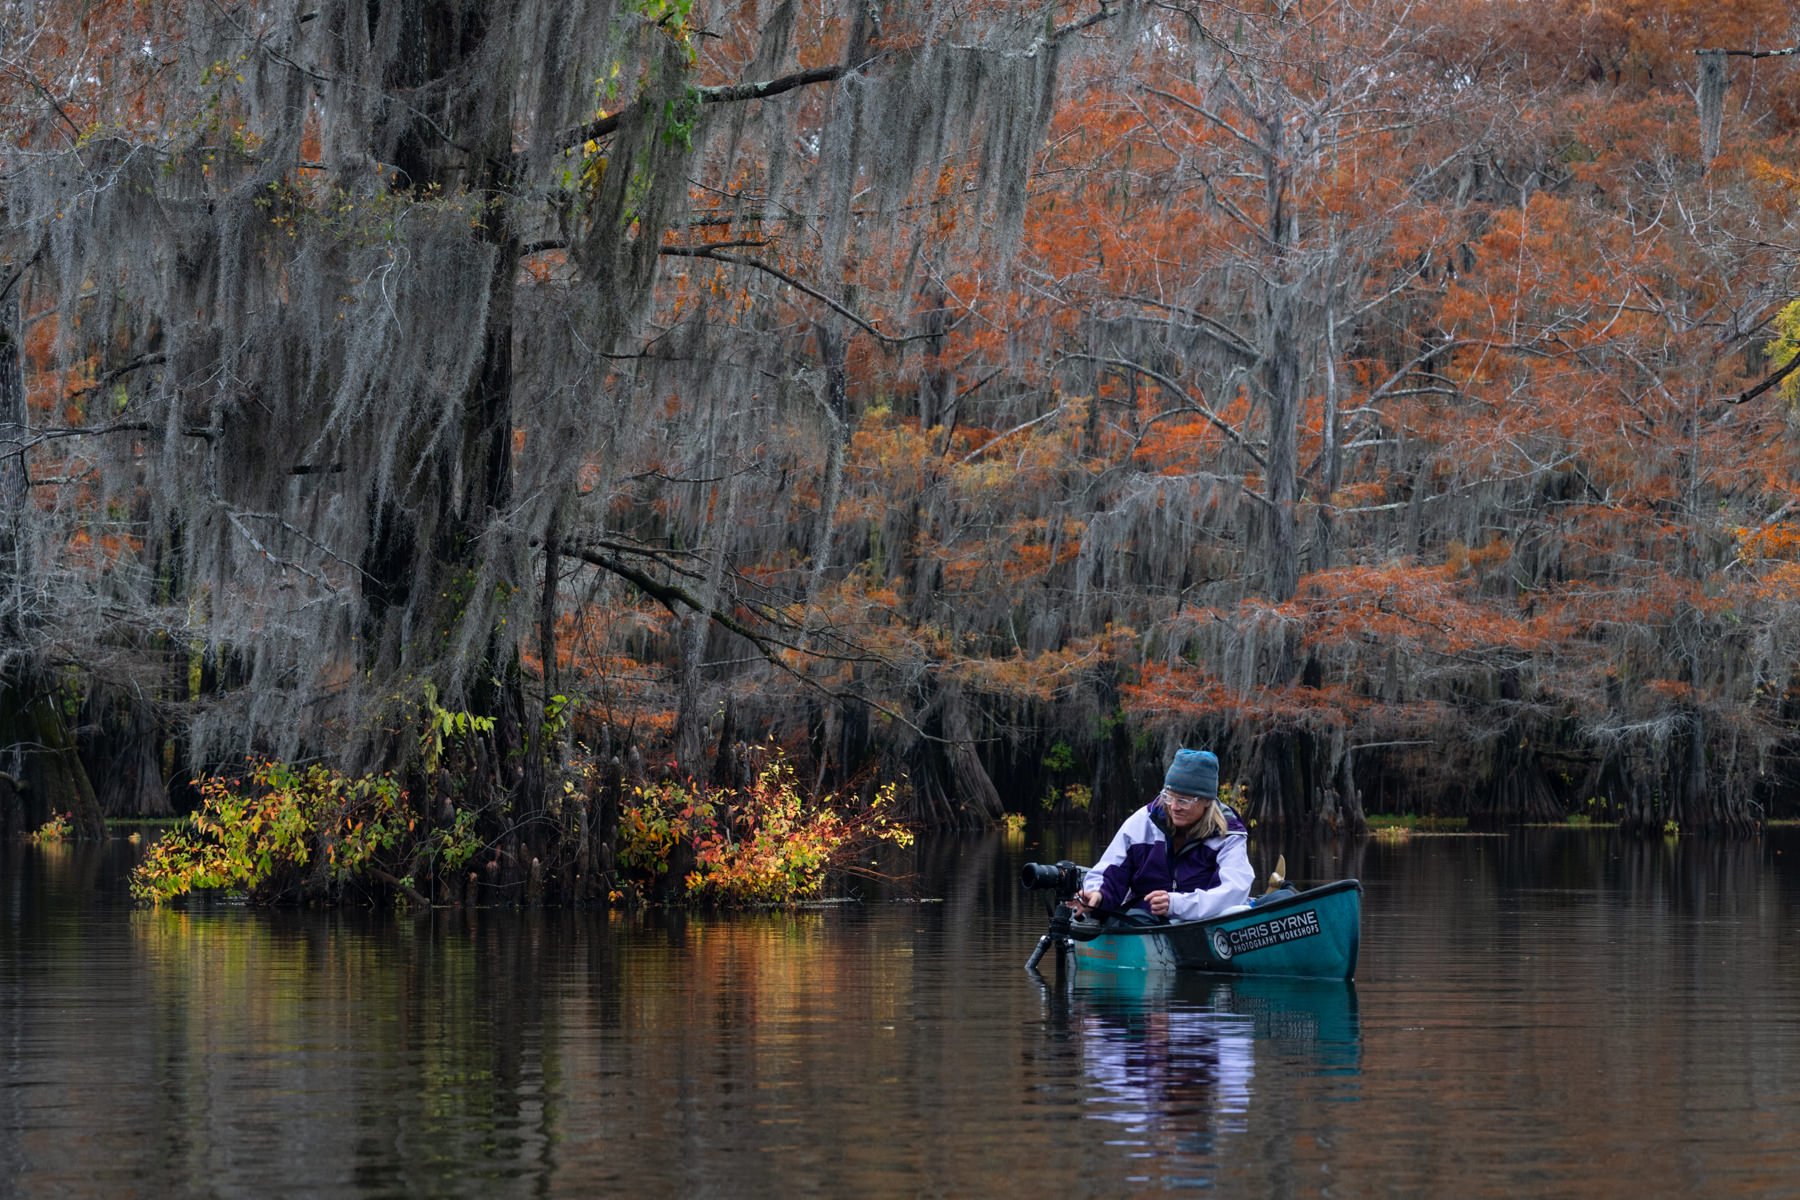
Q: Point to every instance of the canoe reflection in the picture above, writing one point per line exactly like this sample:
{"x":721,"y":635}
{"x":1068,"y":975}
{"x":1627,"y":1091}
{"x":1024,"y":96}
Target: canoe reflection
{"x":1165,"y":1046}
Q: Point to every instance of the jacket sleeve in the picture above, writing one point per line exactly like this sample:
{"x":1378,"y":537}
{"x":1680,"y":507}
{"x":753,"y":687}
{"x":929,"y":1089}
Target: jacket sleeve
{"x":1233,"y":888}
{"x":1111,"y":875}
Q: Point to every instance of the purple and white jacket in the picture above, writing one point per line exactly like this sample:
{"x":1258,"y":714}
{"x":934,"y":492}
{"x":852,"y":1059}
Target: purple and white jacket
{"x":1206,"y":878}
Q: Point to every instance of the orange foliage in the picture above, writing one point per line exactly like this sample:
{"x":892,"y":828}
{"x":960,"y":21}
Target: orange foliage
{"x":1424,"y":609}
{"x":1776,"y":540}
{"x":1557,"y":478}
{"x":1178,"y":697}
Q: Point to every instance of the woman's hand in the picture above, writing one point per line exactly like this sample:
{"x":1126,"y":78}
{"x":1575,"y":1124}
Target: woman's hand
{"x":1158,"y":903}
{"x":1089,"y":900}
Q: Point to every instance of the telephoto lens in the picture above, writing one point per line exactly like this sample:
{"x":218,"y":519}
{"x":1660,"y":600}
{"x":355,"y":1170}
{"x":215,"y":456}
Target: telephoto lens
{"x":1064,"y":877}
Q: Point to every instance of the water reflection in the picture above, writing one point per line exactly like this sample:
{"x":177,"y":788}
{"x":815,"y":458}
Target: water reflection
{"x":1570,"y":1014}
{"x":1153,"y":1068}
{"x":1170,"y":1059}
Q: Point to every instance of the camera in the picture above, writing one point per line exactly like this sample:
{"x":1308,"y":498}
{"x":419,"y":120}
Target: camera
{"x":1064,"y":878}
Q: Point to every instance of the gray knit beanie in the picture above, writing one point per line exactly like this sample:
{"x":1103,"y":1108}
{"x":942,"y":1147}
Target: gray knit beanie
{"x":1194,"y":773}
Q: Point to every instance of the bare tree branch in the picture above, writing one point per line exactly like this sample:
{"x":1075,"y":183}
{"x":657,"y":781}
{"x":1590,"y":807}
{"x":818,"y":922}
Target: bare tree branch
{"x":722,"y":94}
{"x":791,"y":281}
{"x":669,"y":596}
{"x":1795,"y":49}
{"x":1793,"y":364}
{"x":978,"y":451}
{"x":1193,"y":404}
{"x":732,"y":93}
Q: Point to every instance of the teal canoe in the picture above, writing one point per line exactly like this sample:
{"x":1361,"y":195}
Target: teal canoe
{"x":1313,"y":934}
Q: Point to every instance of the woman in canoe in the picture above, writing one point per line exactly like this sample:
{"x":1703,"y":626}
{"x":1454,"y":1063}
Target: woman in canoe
{"x":1181,"y":857}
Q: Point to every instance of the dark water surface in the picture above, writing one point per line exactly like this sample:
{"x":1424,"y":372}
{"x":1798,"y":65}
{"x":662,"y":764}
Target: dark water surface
{"x":1547,"y":1013}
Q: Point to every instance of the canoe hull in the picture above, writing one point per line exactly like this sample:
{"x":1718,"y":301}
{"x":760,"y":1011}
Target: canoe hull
{"x":1314,"y":934}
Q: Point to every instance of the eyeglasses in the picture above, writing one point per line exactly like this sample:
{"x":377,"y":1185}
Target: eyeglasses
{"x":1185,"y":801}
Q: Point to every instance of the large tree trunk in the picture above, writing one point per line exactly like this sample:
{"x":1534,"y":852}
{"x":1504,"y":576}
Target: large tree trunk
{"x":1281,"y":350}
{"x":461,"y":496}
{"x":13,"y":490}
{"x":1116,"y":790}
{"x":835,"y":399}
{"x":693,"y":716}
{"x":37,"y":752}
{"x":974,"y":789}
{"x":1281,"y":373}
{"x":1330,"y":460}
{"x":53,"y":779}
{"x":953,"y":789}
{"x":121,"y":742}
{"x":1299,"y":783}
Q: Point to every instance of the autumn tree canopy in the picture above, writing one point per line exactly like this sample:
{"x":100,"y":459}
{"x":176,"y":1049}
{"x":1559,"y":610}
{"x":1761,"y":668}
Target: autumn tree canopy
{"x":997,"y":394}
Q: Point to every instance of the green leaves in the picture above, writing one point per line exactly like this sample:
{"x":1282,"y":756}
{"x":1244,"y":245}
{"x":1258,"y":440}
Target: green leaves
{"x":442,"y":729}
{"x":1785,"y":346}
{"x":261,"y":835}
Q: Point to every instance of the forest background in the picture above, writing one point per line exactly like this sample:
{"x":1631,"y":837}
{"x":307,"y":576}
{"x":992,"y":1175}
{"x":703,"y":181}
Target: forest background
{"x":527,"y":401}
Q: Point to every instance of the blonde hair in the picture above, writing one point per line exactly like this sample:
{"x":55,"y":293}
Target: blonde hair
{"x":1214,"y":821}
